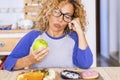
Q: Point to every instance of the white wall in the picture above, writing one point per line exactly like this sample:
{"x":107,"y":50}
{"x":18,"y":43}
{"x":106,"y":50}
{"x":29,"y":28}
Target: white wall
{"x":104,"y":28}
{"x":91,"y":28}
{"x":119,"y":26}
{"x":113,"y":25}
{"x":11,"y":11}
{"x":114,"y":22}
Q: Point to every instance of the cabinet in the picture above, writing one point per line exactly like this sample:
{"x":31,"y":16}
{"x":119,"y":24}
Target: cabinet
{"x":9,"y":39}
{"x":31,"y":8}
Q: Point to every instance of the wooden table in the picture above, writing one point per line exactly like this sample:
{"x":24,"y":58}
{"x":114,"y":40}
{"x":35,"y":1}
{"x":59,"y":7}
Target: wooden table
{"x":107,"y":73}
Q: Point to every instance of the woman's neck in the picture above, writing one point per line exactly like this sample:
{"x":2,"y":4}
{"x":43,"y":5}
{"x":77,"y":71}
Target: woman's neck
{"x":55,"y":33}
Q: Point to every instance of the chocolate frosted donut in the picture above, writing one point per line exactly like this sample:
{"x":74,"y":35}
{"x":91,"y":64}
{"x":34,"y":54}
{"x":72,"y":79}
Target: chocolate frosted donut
{"x":67,"y":74}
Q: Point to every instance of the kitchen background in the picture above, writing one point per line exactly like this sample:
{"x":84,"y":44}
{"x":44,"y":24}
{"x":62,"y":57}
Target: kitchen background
{"x":11,"y":11}
{"x":109,"y":26}
{"x":102,"y":30}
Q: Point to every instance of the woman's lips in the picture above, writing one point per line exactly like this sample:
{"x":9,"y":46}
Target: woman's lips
{"x":57,"y":25}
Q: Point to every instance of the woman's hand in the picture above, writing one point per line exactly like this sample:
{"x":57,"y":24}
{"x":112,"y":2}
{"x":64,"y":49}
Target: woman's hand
{"x":32,"y":58}
{"x":75,"y":25}
{"x":37,"y":55}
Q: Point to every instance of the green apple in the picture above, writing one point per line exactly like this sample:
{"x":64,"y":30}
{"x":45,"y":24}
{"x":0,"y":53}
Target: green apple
{"x":39,"y":43}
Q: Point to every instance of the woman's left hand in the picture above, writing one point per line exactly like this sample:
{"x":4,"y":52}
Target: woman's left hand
{"x":75,"y":25}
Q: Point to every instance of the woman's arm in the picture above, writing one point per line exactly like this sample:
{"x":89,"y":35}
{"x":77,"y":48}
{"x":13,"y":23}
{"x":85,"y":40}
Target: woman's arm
{"x":82,"y":55}
{"x":22,"y":62}
{"x":21,"y":50}
{"x":33,"y":58}
{"x":76,"y":26}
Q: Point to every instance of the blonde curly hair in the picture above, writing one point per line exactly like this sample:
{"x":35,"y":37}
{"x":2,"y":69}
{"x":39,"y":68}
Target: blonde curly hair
{"x":47,"y":6}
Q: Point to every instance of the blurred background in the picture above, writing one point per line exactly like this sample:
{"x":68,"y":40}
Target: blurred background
{"x":102,"y":31}
{"x":107,"y":32}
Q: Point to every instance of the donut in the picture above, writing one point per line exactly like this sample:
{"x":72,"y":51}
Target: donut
{"x":70,"y":75}
{"x":89,"y":75}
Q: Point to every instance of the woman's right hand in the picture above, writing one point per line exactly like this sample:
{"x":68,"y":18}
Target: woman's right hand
{"x":37,"y":55}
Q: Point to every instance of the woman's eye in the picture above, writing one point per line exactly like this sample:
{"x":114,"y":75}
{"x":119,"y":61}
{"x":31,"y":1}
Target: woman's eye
{"x":57,"y":12}
{"x":68,"y":17}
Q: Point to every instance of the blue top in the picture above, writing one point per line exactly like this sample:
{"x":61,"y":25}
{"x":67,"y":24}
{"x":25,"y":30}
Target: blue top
{"x":63,"y":51}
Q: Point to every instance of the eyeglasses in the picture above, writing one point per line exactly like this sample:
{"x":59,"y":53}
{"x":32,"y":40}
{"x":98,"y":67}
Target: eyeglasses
{"x":58,"y":13}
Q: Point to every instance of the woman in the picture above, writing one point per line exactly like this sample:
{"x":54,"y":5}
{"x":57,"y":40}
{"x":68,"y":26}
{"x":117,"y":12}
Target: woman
{"x":62,"y":24}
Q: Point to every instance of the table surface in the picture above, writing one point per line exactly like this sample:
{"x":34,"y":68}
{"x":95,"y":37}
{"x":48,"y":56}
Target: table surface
{"x":107,"y":73}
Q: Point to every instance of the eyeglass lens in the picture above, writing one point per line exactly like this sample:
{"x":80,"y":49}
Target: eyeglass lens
{"x":58,"y":13}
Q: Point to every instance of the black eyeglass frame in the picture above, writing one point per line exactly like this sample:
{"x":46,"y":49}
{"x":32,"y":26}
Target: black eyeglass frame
{"x":64,"y":14}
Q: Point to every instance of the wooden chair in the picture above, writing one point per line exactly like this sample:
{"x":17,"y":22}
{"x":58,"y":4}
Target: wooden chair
{"x":3,"y":60}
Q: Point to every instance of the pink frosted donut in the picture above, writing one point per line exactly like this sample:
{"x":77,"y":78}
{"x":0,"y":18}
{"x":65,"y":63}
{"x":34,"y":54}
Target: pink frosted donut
{"x":89,"y":75}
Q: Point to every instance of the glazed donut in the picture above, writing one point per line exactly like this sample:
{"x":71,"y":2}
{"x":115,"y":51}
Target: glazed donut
{"x":89,"y":75}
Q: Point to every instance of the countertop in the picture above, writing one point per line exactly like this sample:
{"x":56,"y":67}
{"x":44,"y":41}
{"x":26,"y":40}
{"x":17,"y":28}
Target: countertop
{"x":106,"y":73}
